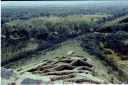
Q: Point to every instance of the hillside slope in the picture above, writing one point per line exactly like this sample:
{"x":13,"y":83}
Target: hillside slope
{"x":69,"y":48}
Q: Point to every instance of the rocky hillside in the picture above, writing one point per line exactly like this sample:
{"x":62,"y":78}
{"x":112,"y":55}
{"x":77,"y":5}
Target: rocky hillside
{"x":68,"y":63}
{"x":63,"y":70}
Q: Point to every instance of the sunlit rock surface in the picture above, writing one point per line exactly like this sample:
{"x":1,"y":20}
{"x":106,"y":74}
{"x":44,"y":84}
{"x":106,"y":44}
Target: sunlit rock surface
{"x":56,"y":71}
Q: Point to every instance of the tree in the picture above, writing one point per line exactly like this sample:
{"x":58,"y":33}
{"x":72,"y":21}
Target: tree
{"x":62,"y":29}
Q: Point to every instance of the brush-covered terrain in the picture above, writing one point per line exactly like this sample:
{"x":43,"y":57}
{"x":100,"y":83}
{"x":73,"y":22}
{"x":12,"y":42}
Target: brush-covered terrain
{"x":65,"y":44}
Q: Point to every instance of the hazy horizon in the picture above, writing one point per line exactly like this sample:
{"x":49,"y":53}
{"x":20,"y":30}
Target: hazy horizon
{"x":59,"y":3}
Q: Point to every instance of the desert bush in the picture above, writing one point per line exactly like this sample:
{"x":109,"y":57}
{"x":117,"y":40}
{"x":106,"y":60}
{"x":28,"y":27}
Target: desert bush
{"x":43,"y":45}
{"x":107,"y":52}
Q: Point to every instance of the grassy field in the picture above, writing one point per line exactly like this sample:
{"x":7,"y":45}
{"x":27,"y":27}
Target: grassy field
{"x":71,"y":19}
{"x":115,"y":21}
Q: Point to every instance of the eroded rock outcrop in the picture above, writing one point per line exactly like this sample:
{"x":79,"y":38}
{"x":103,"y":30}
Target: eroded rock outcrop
{"x":64,"y":70}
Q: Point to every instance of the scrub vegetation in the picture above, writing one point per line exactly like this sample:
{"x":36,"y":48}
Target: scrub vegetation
{"x":67,"y":41}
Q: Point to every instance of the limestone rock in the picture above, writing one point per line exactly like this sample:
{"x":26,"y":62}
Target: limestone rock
{"x":7,"y":73}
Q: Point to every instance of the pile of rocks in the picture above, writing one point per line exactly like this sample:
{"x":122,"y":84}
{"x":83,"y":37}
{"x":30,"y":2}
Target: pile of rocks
{"x":58,"y":70}
{"x":68,"y":70}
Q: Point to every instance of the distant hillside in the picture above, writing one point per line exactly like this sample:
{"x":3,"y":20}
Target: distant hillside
{"x":118,"y":24}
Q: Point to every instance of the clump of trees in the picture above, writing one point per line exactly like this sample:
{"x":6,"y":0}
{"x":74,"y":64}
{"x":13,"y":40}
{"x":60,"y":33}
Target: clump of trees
{"x":115,"y":28}
{"x":121,"y":27}
{"x":118,"y":42}
{"x":41,"y":28}
{"x":91,"y":44}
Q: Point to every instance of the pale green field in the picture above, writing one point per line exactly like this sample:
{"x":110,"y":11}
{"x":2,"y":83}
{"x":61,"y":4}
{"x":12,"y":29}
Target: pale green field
{"x":115,"y":21}
{"x":71,"y":19}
